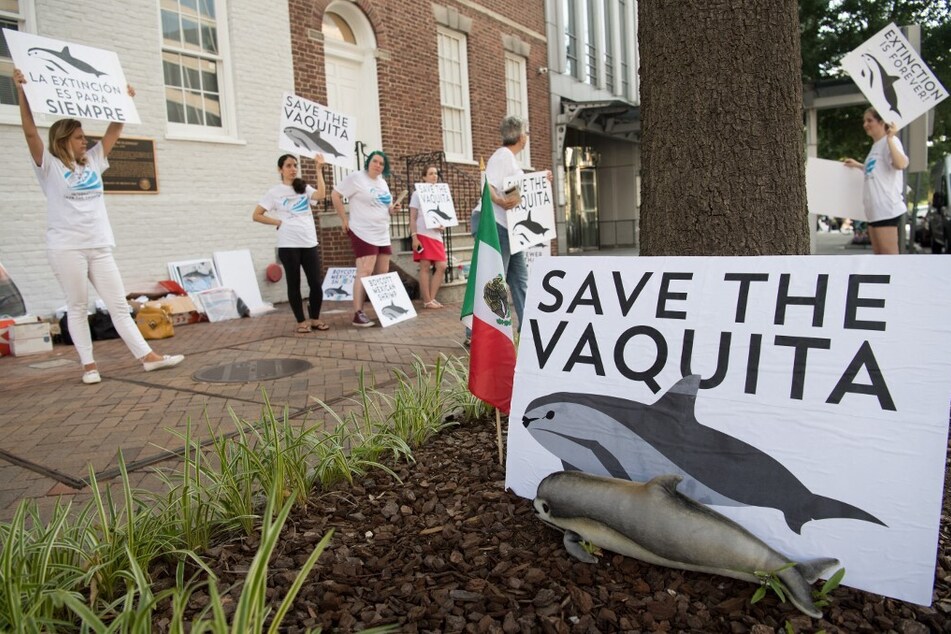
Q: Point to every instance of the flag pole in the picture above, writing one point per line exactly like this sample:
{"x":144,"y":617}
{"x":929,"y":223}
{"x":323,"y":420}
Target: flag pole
{"x":498,"y":434}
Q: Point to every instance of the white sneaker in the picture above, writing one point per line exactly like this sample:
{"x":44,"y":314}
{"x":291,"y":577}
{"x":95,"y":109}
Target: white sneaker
{"x":166,"y":361}
{"x":91,"y":376}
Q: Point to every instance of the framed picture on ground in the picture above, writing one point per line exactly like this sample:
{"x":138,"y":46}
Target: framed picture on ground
{"x":195,"y":275}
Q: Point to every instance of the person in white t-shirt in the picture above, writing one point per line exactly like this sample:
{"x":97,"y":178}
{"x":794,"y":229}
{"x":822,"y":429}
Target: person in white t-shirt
{"x":881,"y":194}
{"x":368,"y":225}
{"x":287,"y":207}
{"x":502,"y":164}
{"x":79,"y":239}
{"x":428,"y":247}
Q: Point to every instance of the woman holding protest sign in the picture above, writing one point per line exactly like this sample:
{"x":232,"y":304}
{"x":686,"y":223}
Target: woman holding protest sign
{"x":881,"y":194}
{"x":368,"y":225}
{"x":287,"y":207}
{"x":428,"y":247}
{"x":79,"y":238}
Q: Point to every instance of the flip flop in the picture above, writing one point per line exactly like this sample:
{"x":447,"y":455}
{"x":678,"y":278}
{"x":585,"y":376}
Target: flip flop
{"x":303,"y":330}
{"x":319,"y":326}
{"x":432,"y":304}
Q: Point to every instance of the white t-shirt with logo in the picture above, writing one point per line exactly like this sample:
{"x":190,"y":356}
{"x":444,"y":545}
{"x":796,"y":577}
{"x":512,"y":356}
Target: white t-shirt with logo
{"x":501,"y":165}
{"x":76,"y":215}
{"x":882,"y":192}
{"x":297,"y":228}
{"x":370,"y":201}
{"x":421,"y":227}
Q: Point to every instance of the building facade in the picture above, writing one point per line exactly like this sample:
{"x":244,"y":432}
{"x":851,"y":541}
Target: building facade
{"x":424,"y":80}
{"x":593,"y":70}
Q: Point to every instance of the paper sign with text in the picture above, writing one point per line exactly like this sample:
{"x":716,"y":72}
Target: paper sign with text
{"x":65,"y":79}
{"x":435,"y":203}
{"x":783,"y":390}
{"x":309,"y":128}
{"x":893,"y":77}
{"x":533,"y":220}
{"x":388,"y":296}
{"x":338,"y":284}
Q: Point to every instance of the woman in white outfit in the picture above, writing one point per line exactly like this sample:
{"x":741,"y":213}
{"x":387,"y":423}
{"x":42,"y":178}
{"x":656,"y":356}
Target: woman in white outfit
{"x":881,"y":194}
{"x":79,"y":238}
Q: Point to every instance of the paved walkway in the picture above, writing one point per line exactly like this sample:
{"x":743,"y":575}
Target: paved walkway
{"x":53,"y":427}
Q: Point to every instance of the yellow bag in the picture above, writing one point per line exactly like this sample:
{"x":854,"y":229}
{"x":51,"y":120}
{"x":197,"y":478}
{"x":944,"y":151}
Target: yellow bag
{"x":154,"y":322}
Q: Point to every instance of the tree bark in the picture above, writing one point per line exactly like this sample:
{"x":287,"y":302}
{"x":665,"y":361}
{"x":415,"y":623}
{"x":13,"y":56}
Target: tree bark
{"x":722,"y":142}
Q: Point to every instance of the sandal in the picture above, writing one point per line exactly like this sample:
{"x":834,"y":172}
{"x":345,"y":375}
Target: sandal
{"x":432,"y":304}
{"x":303,"y":330}
{"x":319,"y":325}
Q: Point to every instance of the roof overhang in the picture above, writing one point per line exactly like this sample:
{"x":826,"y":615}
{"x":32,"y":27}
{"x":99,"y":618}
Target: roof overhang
{"x":613,"y":118}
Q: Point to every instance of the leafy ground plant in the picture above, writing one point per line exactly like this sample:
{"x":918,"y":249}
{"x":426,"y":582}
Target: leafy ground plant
{"x":89,"y":570}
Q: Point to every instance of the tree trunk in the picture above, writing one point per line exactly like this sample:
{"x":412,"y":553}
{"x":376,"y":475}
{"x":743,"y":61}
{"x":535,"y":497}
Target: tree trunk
{"x":722,"y":142}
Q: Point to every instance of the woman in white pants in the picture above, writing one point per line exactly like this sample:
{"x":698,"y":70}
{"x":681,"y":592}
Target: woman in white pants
{"x":79,"y":238}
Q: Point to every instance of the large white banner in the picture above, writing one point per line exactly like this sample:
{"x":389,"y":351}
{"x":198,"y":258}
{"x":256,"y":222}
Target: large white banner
{"x":309,"y":128}
{"x":65,"y":79}
{"x":893,"y":77}
{"x":832,"y":189}
{"x":436,"y":205}
{"x":804,"y":397}
{"x":533,"y":221}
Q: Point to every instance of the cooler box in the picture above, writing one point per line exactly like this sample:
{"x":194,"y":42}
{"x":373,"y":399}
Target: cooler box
{"x":30,"y":338}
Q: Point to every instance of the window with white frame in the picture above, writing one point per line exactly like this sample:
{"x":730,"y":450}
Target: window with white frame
{"x":516,"y":97}
{"x":454,"y":95}
{"x":194,"y":56}
{"x":13,"y":16}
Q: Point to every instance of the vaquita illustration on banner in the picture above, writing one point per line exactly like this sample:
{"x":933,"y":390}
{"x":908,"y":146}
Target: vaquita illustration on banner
{"x":65,"y":79}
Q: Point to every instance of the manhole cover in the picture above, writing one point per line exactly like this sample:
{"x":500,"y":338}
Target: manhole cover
{"x":246,"y":371}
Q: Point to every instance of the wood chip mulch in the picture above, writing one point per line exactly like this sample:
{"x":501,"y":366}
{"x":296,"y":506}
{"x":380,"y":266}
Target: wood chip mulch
{"x":449,"y":550}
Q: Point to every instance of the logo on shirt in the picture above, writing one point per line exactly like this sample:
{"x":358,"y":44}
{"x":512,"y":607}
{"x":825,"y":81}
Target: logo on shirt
{"x":83,"y":184}
{"x":382,"y":197}
{"x":296,"y":205}
{"x":870,"y":166}
{"x":84,"y":180}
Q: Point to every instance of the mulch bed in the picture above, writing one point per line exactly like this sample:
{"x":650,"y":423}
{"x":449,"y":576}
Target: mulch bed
{"x":450,"y":551}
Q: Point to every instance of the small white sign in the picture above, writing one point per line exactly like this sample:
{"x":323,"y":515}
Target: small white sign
{"x":832,"y":189}
{"x":338,"y":284}
{"x":533,"y":221}
{"x":436,"y":206}
{"x":893,"y":77}
{"x":309,"y":128}
{"x":388,"y":296}
{"x":65,"y":79}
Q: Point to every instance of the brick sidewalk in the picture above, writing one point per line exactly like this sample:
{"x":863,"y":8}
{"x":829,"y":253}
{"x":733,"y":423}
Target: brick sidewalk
{"x":54,"y":427}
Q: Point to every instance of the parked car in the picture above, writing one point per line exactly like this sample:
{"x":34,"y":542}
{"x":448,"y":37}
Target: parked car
{"x":939,"y":216}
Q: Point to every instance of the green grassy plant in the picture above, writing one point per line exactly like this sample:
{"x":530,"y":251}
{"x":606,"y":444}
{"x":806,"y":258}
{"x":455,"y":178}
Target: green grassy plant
{"x":88,"y":571}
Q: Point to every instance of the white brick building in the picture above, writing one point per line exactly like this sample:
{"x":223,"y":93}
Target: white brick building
{"x":210,"y":175}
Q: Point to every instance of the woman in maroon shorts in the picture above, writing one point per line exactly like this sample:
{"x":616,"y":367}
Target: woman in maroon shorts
{"x":368,"y":226}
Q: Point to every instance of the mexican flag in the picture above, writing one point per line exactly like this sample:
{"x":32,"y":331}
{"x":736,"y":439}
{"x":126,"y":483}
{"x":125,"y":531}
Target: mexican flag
{"x":487,"y":312}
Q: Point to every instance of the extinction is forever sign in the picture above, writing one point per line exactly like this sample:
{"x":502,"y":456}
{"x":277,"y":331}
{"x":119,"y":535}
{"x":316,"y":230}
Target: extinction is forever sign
{"x":804,"y":397}
{"x":71,"y":80}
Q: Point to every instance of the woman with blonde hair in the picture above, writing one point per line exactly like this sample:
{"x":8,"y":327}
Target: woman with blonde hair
{"x":79,"y":239}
